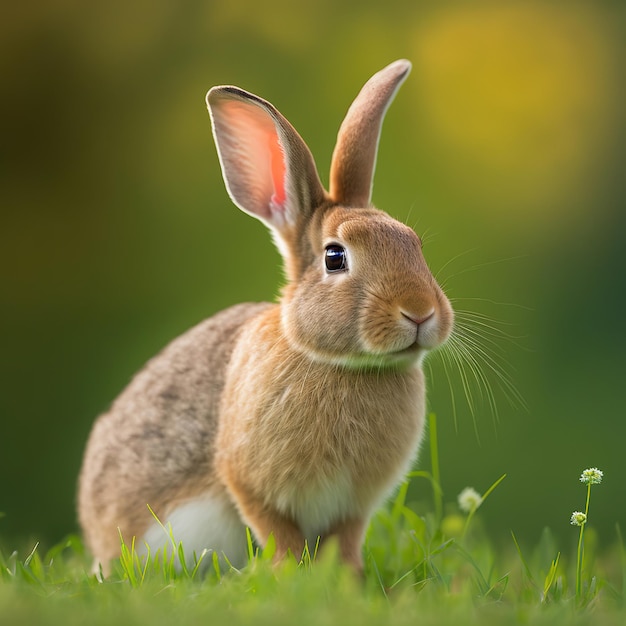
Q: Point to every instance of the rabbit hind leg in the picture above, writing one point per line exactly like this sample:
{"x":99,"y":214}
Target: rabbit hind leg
{"x":209,"y":522}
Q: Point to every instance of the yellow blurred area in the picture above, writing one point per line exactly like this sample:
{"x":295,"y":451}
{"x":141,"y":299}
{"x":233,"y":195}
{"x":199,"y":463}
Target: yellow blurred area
{"x":522,"y":96}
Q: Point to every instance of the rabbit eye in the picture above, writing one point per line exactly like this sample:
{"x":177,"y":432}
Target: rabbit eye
{"x":335,"y":258}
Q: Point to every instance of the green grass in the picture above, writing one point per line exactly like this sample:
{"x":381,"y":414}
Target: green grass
{"x":438,"y":567}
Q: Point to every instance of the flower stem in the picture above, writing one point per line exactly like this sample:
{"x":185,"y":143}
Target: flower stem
{"x":581,"y":549}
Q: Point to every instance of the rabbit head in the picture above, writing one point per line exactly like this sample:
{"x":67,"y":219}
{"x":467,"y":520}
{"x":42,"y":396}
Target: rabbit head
{"x":359,"y":291}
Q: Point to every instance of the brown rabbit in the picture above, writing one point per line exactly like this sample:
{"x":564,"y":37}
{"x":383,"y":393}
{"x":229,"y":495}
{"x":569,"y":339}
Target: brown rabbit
{"x":296,"y":418}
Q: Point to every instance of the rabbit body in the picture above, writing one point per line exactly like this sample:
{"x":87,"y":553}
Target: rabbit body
{"x":296,"y":418}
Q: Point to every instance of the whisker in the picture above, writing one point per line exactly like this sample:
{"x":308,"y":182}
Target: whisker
{"x":478,"y":266}
{"x":457,"y":361}
{"x":427,"y":237}
{"x":482,"y":383}
{"x":492,"y":302}
{"x":479,"y":334}
{"x":450,"y":352}
{"x":475,"y":353}
{"x":477,"y":350}
{"x":471,"y":268}
{"x":486,"y":326}
{"x":449,"y":262}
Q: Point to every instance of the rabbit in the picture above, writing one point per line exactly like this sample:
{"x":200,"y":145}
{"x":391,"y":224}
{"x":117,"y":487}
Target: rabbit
{"x":296,"y":418}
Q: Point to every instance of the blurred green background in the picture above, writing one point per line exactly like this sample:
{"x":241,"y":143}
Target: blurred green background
{"x":505,"y":148}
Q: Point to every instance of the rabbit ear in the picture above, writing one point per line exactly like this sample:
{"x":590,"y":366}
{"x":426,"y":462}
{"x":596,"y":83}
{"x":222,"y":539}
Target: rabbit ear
{"x":354,"y":158}
{"x":268,"y":169}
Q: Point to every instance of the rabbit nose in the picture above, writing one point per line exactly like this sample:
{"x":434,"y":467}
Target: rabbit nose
{"x":418,"y":319}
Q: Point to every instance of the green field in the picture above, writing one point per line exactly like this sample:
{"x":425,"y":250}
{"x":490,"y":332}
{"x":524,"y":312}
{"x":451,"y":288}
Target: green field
{"x":437,"y":568}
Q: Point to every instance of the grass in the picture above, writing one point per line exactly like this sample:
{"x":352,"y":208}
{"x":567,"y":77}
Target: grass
{"x":437,"y":568}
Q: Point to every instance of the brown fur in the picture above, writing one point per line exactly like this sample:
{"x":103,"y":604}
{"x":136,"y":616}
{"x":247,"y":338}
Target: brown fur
{"x":304,"y":414}
{"x":155,"y":445}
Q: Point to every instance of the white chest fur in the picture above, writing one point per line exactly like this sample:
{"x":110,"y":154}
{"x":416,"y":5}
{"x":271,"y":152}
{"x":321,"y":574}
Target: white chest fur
{"x":314,"y":507}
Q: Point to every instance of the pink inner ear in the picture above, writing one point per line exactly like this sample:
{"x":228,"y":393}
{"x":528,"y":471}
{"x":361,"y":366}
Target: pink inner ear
{"x":277,"y":158}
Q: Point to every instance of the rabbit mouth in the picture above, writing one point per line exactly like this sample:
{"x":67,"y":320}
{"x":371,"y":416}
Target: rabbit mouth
{"x":413,"y":349}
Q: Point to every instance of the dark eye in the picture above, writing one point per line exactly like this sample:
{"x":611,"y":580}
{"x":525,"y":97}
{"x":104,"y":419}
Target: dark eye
{"x":335,"y":258}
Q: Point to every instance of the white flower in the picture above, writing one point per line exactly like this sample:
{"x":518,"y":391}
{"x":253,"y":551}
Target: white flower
{"x":591,"y":476}
{"x":578,"y":518}
{"x":469,"y":500}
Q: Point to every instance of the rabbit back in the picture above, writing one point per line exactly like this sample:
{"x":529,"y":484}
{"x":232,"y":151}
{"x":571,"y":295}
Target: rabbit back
{"x":156,"y":443}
